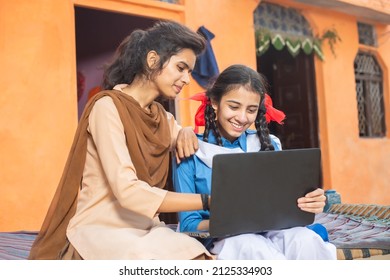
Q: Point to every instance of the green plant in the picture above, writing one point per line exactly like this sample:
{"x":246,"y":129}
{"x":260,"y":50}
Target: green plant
{"x":332,"y":37}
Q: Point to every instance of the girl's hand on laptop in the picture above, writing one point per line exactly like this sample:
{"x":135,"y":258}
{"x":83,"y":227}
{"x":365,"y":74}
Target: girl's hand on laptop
{"x":313,"y":202}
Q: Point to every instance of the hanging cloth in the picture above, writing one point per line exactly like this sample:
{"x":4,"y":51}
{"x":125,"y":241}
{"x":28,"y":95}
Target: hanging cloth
{"x":206,"y":67}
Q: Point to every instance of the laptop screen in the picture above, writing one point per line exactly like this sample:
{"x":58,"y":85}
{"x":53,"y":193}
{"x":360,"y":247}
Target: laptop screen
{"x":256,"y":192}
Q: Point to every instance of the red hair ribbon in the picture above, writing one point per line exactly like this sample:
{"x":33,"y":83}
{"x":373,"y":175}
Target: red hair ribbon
{"x":199,"y":115}
{"x":273,"y":114}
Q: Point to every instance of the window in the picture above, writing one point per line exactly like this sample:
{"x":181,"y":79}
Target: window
{"x":369,"y":94}
{"x":367,"y":35}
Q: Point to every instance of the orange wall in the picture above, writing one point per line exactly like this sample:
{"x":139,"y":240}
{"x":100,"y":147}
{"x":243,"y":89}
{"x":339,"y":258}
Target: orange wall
{"x":39,"y":110}
{"x":234,"y":42}
{"x":37,"y":104}
{"x":378,"y":5}
{"x":357,"y":168}
{"x":40,"y":92}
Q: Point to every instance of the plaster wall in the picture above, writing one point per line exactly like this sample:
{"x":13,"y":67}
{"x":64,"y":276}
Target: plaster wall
{"x":38,"y":103}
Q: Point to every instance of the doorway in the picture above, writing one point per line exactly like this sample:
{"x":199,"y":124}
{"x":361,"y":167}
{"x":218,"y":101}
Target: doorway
{"x":98,"y":33}
{"x":292,"y":89}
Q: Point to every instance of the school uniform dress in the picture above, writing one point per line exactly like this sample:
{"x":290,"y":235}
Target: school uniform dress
{"x":193,"y":175}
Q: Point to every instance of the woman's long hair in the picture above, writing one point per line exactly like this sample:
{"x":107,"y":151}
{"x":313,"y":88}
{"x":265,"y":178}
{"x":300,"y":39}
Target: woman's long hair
{"x":167,"y":38}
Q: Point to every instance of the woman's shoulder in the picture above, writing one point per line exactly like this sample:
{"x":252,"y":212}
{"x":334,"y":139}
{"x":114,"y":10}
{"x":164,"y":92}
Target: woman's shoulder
{"x":170,"y":116}
{"x":106,"y":99}
{"x":104,"y":103}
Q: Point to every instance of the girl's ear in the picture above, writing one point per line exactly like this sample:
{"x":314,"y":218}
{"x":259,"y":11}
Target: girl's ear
{"x":151,"y":59}
{"x":214,"y":104}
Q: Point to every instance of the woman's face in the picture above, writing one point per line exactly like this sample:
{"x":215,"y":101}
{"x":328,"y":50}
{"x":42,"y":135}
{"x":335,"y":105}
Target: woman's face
{"x":236,"y":112}
{"x":175,"y":73}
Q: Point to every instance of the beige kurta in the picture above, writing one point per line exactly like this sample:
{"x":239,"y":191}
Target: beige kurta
{"x":116,"y":212}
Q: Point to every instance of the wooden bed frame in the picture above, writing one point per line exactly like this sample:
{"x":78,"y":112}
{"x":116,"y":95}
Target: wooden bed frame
{"x":359,"y":231}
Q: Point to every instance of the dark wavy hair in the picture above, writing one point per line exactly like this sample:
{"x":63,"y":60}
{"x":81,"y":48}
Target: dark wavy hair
{"x":234,"y":77}
{"x":167,"y":38}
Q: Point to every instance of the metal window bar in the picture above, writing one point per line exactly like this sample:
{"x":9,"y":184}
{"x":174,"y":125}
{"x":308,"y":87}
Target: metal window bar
{"x":369,"y":95}
{"x":367,"y":34}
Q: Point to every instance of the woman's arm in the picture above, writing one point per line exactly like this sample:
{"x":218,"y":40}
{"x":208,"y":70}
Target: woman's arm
{"x":185,"y":184}
{"x":177,"y":202}
{"x":108,"y":137}
{"x":184,"y":140}
{"x":136,"y":195}
{"x":186,"y":143}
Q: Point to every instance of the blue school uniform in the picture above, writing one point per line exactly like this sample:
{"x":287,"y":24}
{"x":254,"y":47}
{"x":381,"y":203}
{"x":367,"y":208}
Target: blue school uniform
{"x":193,"y":175}
{"x":200,"y":171}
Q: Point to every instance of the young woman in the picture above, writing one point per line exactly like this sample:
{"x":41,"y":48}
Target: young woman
{"x":111,"y":191}
{"x":235,"y":102}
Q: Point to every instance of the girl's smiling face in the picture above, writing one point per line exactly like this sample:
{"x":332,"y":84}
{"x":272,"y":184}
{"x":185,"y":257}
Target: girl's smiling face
{"x":236,"y":112}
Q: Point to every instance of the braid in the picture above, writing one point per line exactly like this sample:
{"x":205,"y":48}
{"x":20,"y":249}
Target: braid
{"x":216,"y":132}
{"x":210,"y":123}
{"x":207,"y":116}
{"x":262,"y":129}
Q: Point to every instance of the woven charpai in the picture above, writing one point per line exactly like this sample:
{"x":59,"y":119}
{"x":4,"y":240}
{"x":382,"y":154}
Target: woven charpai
{"x":358,"y":230}
{"x":369,"y":212}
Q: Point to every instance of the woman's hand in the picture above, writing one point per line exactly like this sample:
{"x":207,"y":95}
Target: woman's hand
{"x":186,"y":143}
{"x":204,"y":225}
{"x":313,"y":202}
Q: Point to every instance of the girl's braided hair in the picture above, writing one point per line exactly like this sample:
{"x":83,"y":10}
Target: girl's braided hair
{"x":231,"y":78}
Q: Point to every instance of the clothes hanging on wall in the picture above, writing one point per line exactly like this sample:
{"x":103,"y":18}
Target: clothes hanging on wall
{"x":206,"y":67}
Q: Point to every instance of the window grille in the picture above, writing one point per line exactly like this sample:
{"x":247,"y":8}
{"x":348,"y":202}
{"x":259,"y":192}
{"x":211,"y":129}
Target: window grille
{"x":369,"y":94}
{"x":281,"y":20}
{"x":367,"y":35}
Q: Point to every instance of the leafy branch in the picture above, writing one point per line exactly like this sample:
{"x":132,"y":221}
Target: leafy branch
{"x":331,"y":35}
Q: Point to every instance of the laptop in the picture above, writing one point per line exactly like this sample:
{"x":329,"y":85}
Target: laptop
{"x":258,"y":191}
